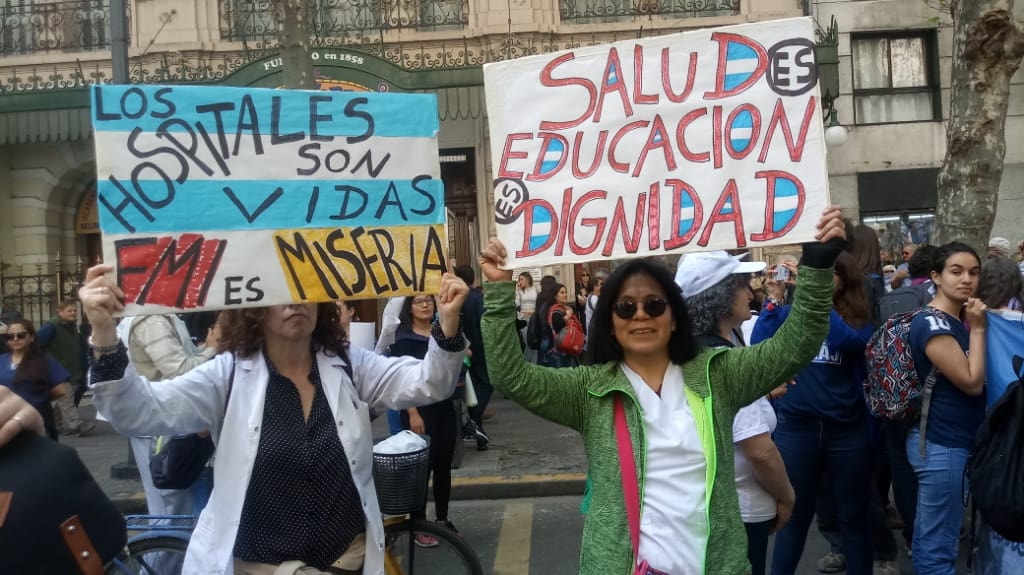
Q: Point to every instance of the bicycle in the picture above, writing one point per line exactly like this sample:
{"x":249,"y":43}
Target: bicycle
{"x":451,"y":556}
{"x":160,"y":542}
{"x":157,"y":547}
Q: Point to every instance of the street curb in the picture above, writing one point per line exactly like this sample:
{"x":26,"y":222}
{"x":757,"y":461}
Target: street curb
{"x":463,"y":488}
{"x":519,"y":486}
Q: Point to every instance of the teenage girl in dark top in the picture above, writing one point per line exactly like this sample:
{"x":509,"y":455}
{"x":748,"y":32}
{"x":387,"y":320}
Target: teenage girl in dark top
{"x":940,"y":340}
{"x":438,"y":420}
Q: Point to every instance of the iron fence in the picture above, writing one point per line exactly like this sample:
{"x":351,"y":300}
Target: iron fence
{"x":28,"y":26}
{"x":253,"y":20}
{"x":33,"y":291}
{"x":597,"y":11}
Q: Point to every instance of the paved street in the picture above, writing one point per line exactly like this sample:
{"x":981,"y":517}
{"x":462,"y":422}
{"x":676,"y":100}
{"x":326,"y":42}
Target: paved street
{"x":517,"y":504}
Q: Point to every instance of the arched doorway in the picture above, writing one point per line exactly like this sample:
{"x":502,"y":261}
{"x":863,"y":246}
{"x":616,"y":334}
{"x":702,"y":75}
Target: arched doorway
{"x":87,"y":228}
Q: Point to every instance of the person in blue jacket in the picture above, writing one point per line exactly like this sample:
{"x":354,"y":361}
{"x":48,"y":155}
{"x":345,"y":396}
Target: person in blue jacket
{"x":823,"y":423}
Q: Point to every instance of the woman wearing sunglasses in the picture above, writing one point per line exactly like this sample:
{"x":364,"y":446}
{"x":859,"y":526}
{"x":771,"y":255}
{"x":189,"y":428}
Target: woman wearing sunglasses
{"x":32,"y":374}
{"x":669,"y":504}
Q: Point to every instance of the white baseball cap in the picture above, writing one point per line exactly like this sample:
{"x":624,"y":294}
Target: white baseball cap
{"x":701,"y":271}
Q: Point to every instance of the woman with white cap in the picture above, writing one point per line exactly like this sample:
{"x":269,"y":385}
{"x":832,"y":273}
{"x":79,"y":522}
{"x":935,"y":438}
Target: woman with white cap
{"x":716,"y":287}
{"x":823,"y":424}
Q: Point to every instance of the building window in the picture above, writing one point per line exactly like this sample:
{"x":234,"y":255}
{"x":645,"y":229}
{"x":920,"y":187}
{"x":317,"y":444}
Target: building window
{"x":604,"y":11}
{"x":895,"y":78}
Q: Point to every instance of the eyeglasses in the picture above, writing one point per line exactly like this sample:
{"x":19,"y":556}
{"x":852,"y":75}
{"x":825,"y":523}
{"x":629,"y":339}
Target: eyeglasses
{"x":17,"y":336}
{"x":423,"y":301}
{"x":652,"y":306}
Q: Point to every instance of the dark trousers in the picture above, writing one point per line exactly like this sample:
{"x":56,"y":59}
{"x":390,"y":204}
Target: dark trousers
{"x":882,"y":541}
{"x":757,"y":545}
{"x":811,"y":448}
{"x":440,"y":421}
{"x":904,"y":480}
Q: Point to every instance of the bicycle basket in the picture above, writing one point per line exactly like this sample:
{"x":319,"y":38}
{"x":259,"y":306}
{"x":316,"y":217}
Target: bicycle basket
{"x":401,"y":480}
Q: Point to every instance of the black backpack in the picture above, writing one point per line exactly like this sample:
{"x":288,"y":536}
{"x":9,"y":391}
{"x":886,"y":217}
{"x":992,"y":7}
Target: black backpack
{"x":902,"y":300}
{"x":995,"y":468}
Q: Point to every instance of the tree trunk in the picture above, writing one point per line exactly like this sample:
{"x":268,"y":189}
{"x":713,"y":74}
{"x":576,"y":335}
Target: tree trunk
{"x":293,"y":34}
{"x":987,"y":50}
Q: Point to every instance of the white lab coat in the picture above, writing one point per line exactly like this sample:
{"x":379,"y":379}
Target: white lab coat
{"x":195,"y":401}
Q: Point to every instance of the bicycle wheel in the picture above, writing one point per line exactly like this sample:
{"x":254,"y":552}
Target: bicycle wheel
{"x":162,"y":555}
{"x":451,"y":556}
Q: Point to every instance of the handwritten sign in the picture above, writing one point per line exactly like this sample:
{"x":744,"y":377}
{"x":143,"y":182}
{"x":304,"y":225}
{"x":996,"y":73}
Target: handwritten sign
{"x":702,"y":140}
{"x":231,"y":197}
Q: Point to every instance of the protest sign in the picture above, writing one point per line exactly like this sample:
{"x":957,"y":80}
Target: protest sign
{"x":216,"y":197}
{"x":1004,"y":346}
{"x":701,"y":140}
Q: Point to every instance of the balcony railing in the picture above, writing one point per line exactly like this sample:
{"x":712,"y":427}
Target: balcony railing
{"x":254,"y":19}
{"x":598,"y":11}
{"x":39,"y":26}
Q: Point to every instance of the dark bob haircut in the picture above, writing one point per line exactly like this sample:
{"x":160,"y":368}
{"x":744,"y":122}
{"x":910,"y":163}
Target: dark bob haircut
{"x":602,"y":346}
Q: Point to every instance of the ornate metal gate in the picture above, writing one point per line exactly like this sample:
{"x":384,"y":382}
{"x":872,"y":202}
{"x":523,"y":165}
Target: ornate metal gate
{"x":33,"y":292}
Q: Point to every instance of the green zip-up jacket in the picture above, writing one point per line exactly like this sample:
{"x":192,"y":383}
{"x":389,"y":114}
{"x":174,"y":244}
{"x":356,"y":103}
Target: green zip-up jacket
{"x":719,"y":382}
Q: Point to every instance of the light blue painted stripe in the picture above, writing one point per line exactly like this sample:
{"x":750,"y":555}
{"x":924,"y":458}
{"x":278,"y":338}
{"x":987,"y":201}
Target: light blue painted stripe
{"x":733,"y":80}
{"x":740,"y":145}
{"x":782,"y":219}
{"x":685,"y":226}
{"x":726,"y":207}
{"x":743,"y":120}
{"x":395,"y":114}
{"x":737,"y":51}
{"x":541,"y":215}
{"x":785,"y":188}
{"x":204,"y":205}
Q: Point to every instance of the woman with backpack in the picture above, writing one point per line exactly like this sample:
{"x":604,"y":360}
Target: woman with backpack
{"x":823,"y":424}
{"x":558,"y":317}
{"x":938,"y":446}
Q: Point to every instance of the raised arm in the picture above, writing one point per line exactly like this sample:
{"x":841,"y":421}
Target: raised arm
{"x":404,"y":382}
{"x":744,"y":374}
{"x":554,"y":394}
{"x":185,"y":404}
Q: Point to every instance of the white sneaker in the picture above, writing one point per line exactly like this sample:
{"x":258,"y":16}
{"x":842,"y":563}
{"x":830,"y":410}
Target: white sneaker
{"x":832,"y":563}
{"x":886,"y":568}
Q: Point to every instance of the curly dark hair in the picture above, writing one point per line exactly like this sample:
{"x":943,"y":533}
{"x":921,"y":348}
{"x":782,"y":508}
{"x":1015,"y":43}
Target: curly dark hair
{"x":602,"y":347}
{"x":33,"y":369}
{"x":242,"y":330}
{"x":715,"y":303}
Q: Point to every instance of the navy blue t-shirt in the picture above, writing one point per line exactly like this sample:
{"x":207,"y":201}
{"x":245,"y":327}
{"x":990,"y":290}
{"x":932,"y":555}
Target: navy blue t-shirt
{"x":955,"y":416}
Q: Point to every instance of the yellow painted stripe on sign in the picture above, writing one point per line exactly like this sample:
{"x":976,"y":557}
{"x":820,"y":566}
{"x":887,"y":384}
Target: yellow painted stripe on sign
{"x":513,"y":555}
{"x":324,"y":264}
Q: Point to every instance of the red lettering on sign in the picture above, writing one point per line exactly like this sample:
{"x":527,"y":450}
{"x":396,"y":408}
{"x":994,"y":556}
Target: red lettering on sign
{"x":166,"y":271}
{"x":727,"y":209}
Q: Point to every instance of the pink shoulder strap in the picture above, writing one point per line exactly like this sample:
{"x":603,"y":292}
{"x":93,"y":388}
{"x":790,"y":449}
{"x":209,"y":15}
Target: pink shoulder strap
{"x":630,"y":485}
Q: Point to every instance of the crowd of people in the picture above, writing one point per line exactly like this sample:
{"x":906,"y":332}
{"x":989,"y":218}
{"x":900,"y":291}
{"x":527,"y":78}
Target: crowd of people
{"x":718,"y":405}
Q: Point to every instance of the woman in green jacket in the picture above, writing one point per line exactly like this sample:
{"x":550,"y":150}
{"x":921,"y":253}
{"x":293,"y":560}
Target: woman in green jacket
{"x":679,"y":402}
